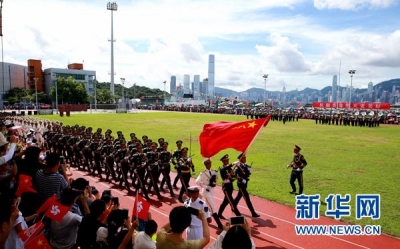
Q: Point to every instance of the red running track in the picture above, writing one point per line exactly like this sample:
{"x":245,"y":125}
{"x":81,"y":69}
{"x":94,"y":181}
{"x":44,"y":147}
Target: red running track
{"x":274,"y":229}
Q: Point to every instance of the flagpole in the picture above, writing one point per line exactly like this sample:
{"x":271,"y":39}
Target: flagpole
{"x":266,"y":120}
{"x":136,"y":203}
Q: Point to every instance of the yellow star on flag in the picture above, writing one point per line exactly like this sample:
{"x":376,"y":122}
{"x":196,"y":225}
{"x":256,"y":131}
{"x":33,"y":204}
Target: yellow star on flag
{"x":40,"y":242}
{"x":252,"y":124}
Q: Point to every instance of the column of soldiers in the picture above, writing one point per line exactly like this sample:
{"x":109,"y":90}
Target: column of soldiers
{"x":144,"y":166}
{"x":349,"y":119}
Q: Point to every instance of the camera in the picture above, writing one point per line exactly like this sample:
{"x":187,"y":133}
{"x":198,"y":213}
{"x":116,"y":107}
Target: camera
{"x":237,"y":220}
{"x":194,"y":211}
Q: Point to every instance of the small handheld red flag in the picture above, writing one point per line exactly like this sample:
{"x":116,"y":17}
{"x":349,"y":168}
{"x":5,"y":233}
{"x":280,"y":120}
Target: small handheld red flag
{"x":39,"y":242}
{"x":141,"y":208}
{"x":56,"y":211}
{"x":28,"y":234}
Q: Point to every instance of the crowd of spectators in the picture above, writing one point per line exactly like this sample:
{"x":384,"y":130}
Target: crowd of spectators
{"x":92,"y":219}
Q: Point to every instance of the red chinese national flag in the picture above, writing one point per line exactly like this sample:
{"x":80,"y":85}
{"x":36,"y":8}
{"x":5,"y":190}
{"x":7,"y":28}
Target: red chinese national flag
{"x":28,"y":234}
{"x":56,"y":211}
{"x":46,"y":204}
{"x":223,"y":135}
{"x":141,"y":208}
{"x":24,"y":185}
{"x":39,"y":242}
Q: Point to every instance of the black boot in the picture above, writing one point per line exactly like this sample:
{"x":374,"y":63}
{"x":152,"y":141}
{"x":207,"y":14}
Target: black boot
{"x":217,"y":220}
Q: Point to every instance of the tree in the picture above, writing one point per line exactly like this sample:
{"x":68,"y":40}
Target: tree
{"x":69,"y":91}
{"x":16,"y":95}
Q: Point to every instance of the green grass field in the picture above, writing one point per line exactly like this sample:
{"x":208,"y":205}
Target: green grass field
{"x":341,"y":160}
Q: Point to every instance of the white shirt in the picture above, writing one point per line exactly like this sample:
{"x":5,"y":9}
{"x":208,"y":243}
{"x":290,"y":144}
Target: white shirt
{"x":143,"y":241}
{"x":13,"y":241}
{"x":198,"y":204}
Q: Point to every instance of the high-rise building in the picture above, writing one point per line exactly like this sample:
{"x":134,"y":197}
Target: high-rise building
{"x":370,"y":87}
{"x":196,"y":87}
{"x":172,"y":85}
{"x":186,"y":84}
{"x":334,"y":89}
{"x":211,"y":76}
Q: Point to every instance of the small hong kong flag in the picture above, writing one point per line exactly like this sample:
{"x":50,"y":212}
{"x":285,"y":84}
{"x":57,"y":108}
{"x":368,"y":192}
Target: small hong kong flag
{"x":56,"y":211}
{"x":31,"y":232}
{"x":46,"y":204}
{"x":39,"y":242}
{"x":141,"y":208}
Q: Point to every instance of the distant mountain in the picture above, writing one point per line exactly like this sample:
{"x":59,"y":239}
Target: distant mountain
{"x":384,"y":86}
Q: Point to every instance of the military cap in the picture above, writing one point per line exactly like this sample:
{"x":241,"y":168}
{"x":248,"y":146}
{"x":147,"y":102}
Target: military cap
{"x":160,"y":139}
{"x":241,"y":155}
{"x":226,"y":156}
{"x":144,"y":136}
{"x":207,"y":160}
{"x":297,"y":147}
{"x":179,"y":142}
{"x":193,"y":189}
{"x":165,"y":144}
{"x":185,"y":149}
{"x":132,"y":134}
{"x":154,"y":145}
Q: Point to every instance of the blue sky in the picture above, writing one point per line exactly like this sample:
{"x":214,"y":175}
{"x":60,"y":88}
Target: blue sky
{"x":298,"y":43}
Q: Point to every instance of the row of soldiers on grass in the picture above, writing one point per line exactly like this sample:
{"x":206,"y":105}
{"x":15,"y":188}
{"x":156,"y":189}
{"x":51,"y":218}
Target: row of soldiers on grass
{"x":353,"y":119}
{"x":138,"y":165}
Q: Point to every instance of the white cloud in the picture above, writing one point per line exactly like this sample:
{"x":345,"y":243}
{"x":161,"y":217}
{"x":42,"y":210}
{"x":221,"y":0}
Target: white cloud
{"x":283,"y":54}
{"x":157,"y":39}
{"x":353,"y":4}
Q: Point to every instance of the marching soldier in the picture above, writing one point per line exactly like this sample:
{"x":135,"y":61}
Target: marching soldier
{"x":165,"y":168}
{"x":175,"y":157}
{"x":207,"y":180}
{"x":297,"y":165}
{"x":243,"y":172}
{"x":227,"y":175}
{"x":106,"y":152}
{"x":152,"y":169}
{"x":121,"y":159}
{"x":139,"y":161}
{"x":184,"y":164}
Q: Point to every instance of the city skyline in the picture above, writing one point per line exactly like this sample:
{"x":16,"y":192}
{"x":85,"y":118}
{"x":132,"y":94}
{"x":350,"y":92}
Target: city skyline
{"x":298,"y":43}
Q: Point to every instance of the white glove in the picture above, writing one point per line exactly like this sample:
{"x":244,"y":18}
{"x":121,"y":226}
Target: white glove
{"x":135,"y":171}
{"x":250,"y":170}
{"x":189,"y":159}
{"x":243,"y":181}
{"x":119,"y":165}
{"x":143,"y":164}
{"x":156,"y":163}
{"x":148,"y":168}
{"x":227,"y":181}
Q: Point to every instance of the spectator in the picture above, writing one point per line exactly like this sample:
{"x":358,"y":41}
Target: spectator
{"x":118,"y":226}
{"x":170,"y":235}
{"x":63,"y":234}
{"x":237,"y":236}
{"x":8,"y":215}
{"x":7,"y":154}
{"x":90,"y":224}
{"x":143,"y":239}
{"x":81,"y":185}
{"x":50,"y":181}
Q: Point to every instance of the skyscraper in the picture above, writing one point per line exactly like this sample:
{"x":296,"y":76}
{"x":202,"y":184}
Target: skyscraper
{"x":186,"y":84}
{"x":334,"y":89}
{"x":211,"y":76}
{"x":172,"y":85}
{"x":370,"y":87}
{"x":196,"y":86}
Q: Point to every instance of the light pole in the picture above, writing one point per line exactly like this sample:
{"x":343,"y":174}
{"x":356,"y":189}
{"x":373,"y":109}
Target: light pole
{"x":95,"y":95}
{"x":165,"y":89}
{"x":113,"y":7}
{"x":36,"y":79}
{"x":56,"y":97}
{"x":265,"y":76}
{"x":122,"y":91}
{"x":351,"y":72}
{"x":206,"y":93}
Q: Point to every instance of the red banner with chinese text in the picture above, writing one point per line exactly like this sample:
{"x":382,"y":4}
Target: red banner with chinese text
{"x":353,"y":105}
